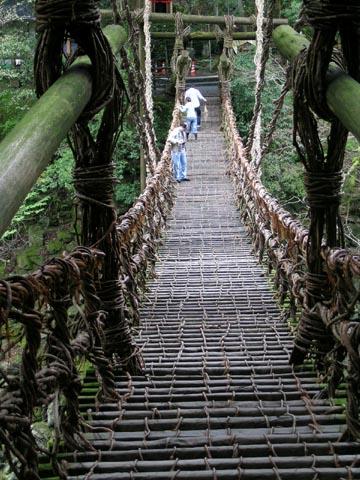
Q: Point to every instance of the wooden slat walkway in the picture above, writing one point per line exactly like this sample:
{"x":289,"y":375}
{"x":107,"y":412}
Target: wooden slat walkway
{"x":219,"y":399}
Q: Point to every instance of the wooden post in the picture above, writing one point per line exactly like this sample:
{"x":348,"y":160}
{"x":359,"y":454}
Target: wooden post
{"x":208,"y":19}
{"x":343,"y":92}
{"x":27,"y":150}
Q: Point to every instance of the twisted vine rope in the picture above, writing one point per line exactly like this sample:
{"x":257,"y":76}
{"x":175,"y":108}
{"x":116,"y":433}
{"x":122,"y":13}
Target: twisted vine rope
{"x":323,"y":180}
{"x":278,"y":105}
{"x":39,"y":304}
{"x":226,"y":64}
{"x":263,"y":39}
{"x":139,"y":89}
{"x":286,"y":243}
{"x":148,"y":73}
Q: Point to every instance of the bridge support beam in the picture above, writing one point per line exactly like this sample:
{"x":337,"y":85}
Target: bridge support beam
{"x":204,"y":35}
{"x":29,"y":147}
{"x":107,"y":17}
{"x":343,"y":92}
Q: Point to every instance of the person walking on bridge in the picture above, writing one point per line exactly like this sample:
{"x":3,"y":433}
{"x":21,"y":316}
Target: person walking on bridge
{"x":191,"y":119}
{"x":177,"y":138}
{"x":196,"y":97}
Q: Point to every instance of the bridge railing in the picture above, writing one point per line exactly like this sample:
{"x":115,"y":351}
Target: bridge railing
{"x":35,"y":320}
{"x":283,"y":241}
{"x":55,"y":318}
{"x":139,"y":229}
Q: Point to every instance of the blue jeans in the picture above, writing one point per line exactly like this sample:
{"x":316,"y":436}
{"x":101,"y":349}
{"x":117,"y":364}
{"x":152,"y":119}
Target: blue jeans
{"x":179,"y":164}
{"x":198,"y":113}
{"x":191,"y":125}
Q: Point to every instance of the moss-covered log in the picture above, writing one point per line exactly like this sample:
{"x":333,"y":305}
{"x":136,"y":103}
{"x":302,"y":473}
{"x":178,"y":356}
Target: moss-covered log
{"x":204,"y":35}
{"x":27,"y":150}
{"x":343,"y":92}
{"x":107,"y":17}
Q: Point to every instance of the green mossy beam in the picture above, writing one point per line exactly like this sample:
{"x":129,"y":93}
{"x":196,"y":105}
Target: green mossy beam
{"x":107,"y":16}
{"x":343,"y":92}
{"x":27,"y":150}
{"x":204,"y":35}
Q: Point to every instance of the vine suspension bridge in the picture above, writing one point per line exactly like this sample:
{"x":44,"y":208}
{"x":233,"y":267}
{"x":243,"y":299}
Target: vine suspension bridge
{"x":193,"y":370}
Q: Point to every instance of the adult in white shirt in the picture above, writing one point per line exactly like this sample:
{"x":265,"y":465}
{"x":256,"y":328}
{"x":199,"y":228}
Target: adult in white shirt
{"x":191,"y":118}
{"x":196,"y":97}
{"x":177,"y":138}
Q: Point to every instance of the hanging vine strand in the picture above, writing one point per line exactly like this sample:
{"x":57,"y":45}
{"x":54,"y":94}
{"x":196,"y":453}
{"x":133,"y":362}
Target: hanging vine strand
{"x":148,"y":73}
{"x":39,"y":305}
{"x":137,"y":87}
{"x":263,"y":41}
{"x":226,"y":61}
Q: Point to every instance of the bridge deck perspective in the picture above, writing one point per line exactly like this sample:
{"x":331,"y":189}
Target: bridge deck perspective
{"x":218,"y":399}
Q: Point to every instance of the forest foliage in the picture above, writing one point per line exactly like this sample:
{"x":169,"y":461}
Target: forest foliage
{"x":282,"y":171}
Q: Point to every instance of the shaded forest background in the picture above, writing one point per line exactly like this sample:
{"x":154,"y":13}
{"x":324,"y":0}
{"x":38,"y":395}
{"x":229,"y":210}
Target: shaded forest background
{"x":44,"y":225}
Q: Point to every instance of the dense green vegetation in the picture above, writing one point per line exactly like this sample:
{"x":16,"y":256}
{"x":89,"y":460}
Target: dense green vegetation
{"x":281,"y":169}
{"x":282,"y":172}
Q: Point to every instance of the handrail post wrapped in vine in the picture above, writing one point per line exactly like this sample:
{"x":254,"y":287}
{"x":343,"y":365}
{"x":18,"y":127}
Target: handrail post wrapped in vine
{"x":226,"y":61}
{"x":94,"y":178}
{"x":323,"y":175}
{"x":287,"y":245}
{"x":180,"y":60}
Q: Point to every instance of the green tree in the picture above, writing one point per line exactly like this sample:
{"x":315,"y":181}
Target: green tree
{"x":290,"y":9}
{"x":218,"y":7}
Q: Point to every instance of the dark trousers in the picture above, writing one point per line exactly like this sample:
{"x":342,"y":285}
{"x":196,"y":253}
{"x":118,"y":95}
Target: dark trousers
{"x":198,"y":114}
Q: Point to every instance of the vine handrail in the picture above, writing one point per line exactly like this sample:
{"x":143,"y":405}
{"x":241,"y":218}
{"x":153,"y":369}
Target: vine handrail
{"x":285,"y":240}
{"x":60,"y":314}
{"x":40,"y":305}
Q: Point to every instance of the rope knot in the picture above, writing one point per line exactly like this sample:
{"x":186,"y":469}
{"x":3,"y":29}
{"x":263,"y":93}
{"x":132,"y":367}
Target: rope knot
{"x":59,"y":19}
{"x":323,"y":188}
{"x":57,"y":13}
{"x":95,"y":184}
{"x":327,"y":15}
